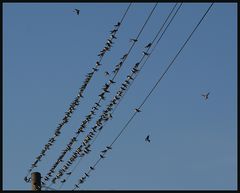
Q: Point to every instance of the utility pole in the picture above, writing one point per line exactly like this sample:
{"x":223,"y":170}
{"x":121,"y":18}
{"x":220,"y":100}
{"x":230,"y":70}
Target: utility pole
{"x":36,"y":181}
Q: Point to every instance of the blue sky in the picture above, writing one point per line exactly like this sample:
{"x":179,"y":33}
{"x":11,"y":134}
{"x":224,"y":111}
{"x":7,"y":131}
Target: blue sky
{"x":48,"y":50}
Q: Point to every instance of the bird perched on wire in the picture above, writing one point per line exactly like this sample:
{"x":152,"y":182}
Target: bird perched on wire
{"x":133,"y":40}
{"x":206,"y":95}
{"x":147,"y":139}
{"x":148,"y":46}
{"x":137,"y":110}
{"x":145,"y":53}
{"x":117,"y":25}
{"x":77,"y":11}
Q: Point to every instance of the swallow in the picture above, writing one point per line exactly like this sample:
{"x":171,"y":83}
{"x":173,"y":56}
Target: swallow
{"x":98,"y":104}
{"x":104,"y":151}
{"x":111,"y":81}
{"x":137,"y":110}
{"x":124,"y":56}
{"x":102,"y":156}
{"x":92,"y":168}
{"x":77,"y":11}
{"x":95,"y":69}
{"x":206,"y":95}
{"x":109,"y":41}
{"x":69,"y":173}
{"x":113,"y":31}
{"x":102,"y":96}
{"x":98,"y":63}
{"x":133,"y":40}
{"x":147,"y":139}
{"x":113,"y":37}
{"x":148,"y":46}
{"x":63,"y":181}
{"x":129,"y":77}
{"x":106,"y":73}
{"x":76,"y":186}
{"x":117,"y":25}
{"x":86,"y":174}
{"x":145,"y":53}
{"x":108,"y":147}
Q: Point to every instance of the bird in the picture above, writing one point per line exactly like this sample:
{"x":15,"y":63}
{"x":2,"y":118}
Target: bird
{"x":145,"y":53}
{"x":106,"y":73}
{"x":147,"y":139}
{"x":133,"y":40}
{"x":137,"y":110}
{"x":118,"y":24}
{"x":92,"y":168}
{"x":108,"y":147}
{"x":77,"y":11}
{"x":69,"y":173}
{"x":124,"y":56}
{"x":86,"y":174}
{"x":113,"y":37}
{"x":206,"y":95}
{"x":148,"y":46}
{"x":104,"y":151}
{"x":113,"y":31}
{"x":102,"y":156}
{"x":76,"y":186}
{"x":111,"y":81}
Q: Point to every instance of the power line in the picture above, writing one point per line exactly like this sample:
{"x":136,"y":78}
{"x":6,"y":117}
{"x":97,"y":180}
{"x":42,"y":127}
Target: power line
{"x":111,"y":81}
{"x":73,"y":105}
{"x":130,"y":76}
{"x":154,"y":87}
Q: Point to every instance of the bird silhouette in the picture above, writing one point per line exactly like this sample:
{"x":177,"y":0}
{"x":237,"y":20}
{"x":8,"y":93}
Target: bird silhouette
{"x":206,"y":95}
{"x":102,"y":156}
{"x":137,"y":110}
{"x":147,"y":139}
{"x":77,"y":11}
{"x":86,"y":174}
{"x":148,"y":46}
{"x":111,"y":81}
{"x":117,"y":25}
{"x":145,"y":53}
{"x":69,"y":173}
{"x":92,"y":168}
{"x":133,"y":40}
{"x":108,"y":147}
{"x":63,"y":181}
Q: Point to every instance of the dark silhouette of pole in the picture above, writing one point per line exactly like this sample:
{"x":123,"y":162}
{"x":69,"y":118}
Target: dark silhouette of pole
{"x":36,"y":181}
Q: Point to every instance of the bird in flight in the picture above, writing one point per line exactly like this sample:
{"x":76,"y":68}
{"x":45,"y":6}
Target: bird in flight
{"x":206,"y":95}
{"x":147,"y":139}
{"x":77,"y":11}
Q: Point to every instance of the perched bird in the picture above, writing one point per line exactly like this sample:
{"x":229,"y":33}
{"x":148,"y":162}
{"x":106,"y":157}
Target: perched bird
{"x":124,"y":56}
{"x":63,"y":181}
{"x":77,"y":11}
{"x":86,"y":174}
{"x":148,"y":46}
{"x":206,"y":95}
{"x":113,"y":37}
{"x":133,"y":40}
{"x":117,"y":25}
{"x":137,"y":110}
{"x":106,"y":73}
{"x":69,"y":173}
{"x":102,"y":156}
{"x":108,"y":147}
{"x":111,"y":81}
{"x":76,"y":186}
{"x":98,"y":104}
{"x":104,"y":151}
{"x":110,"y":41}
{"x":113,"y":31}
{"x":92,"y":168}
{"x":145,"y":53}
{"x":147,"y":139}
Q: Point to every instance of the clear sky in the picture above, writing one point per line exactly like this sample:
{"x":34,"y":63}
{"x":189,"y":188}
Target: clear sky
{"x":48,"y":50}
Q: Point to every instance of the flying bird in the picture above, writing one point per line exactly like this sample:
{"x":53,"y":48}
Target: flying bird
{"x":206,"y":95}
{"x":147,"y":139}
{"x":77,"y":11}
